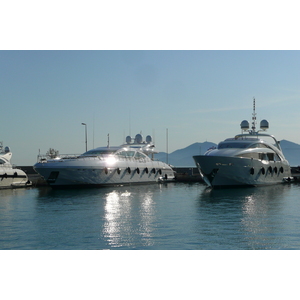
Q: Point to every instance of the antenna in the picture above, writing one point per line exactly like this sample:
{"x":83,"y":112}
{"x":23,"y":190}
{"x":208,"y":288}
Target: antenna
{"x":130,"y":122}
{"x":167,"y":138}
{"x":93,"y":130}
{"x":253,"y":116}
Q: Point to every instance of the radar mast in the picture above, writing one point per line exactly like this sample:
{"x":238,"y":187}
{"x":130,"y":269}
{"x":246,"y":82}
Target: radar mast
{"x":253,"y":117}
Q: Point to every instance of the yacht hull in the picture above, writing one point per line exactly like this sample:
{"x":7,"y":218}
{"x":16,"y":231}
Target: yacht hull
{"x":94,"y":173}
{"x":221,"y":171}
{"x":13,"y":178}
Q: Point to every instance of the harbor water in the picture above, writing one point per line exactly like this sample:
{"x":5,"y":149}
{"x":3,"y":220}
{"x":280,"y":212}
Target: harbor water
{"x":181,"y":216}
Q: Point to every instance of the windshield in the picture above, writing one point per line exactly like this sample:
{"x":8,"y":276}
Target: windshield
{"x":100,"y":152}
{"x":224,"y":145}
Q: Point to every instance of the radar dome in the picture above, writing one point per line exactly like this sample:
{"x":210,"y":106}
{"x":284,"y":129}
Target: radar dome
{"x":264,"y":125}
{"x":148,"y":139}
{"x":139,"y":138}
{"x":128,"y":139}
{"x":245,"y":125}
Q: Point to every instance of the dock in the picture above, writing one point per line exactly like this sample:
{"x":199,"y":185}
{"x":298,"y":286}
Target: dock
{"x":295,"y":173}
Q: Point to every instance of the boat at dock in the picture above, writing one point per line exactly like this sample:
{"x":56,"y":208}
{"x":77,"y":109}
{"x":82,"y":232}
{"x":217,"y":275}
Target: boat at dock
{"x":130,"y":163}
{"x":249,"y":159}
{"x":10,"y":176}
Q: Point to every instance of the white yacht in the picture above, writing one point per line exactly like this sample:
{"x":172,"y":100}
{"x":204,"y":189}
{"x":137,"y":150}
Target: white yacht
{"x":127,"y":164}
{"x":10,"y":177}
{"x":251,"y":158}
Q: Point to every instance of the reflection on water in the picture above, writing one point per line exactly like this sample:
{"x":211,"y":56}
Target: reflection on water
{"x":249,"y":214}
{"x":172,"y":216}
{"x":259,"y":223}
{"x":129,"y":218}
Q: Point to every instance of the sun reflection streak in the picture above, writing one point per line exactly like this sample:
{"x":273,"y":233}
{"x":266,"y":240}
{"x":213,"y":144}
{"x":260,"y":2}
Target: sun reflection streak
{"x":258,"y":209}
{"x":129,"y":218}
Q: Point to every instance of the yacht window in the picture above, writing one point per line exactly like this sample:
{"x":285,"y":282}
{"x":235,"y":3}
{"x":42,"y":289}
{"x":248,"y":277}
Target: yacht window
{"x":259,"y":145}
{"x":253,"y":155}
{"x":126,"y":153}
{"x":277,"y":157}
{"x":266,"y":156}
{"x":139,"y":155}
{"x":130,"y":153}
{"x":99,"y":152}
{"x":224,"y":145}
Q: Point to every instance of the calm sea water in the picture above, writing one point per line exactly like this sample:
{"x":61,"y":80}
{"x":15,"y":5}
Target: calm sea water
{"x":168,"y":216}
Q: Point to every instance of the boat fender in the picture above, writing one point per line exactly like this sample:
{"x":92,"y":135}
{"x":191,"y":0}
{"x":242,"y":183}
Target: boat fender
{"x":159,"y":171}
{"x":119,"y":171}
{"x":275,"y":170}
{"x":153,"y":170}
{"x":270,"y":169}
{"x":106,"y":171}
{"x":281,"y":169}
{"x":129,"y":170}
{"x":146,"y":170}
{"x":138,"y":170}
{"x":263,"y":171}
{"x":252,"y":171}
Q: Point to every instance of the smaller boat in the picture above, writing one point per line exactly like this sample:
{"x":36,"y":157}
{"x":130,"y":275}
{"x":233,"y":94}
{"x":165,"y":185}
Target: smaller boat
{"x":130,"y":163}
{"x":10,"y":177}
{"x":249,"y":159}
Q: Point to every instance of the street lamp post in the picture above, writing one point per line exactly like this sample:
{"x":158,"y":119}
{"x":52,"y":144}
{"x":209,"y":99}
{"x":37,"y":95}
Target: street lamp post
{"x":85,"y":135}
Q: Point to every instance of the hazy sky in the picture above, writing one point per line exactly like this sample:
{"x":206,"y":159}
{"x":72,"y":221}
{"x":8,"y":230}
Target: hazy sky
{"x":197,"y":95}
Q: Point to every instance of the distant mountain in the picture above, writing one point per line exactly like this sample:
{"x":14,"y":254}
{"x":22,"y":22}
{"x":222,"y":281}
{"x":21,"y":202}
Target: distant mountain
{"x":291,"y":152}
{"x":184,"y":157}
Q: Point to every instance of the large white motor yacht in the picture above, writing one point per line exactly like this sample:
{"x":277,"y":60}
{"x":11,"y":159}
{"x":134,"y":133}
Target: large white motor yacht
{"x":10,"y":177}
{"x":127,"y":164}
{"x":251,"y":159}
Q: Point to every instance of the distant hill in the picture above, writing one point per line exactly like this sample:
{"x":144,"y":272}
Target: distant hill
{"x":291,"y":152}
{"x":184,"y":157}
